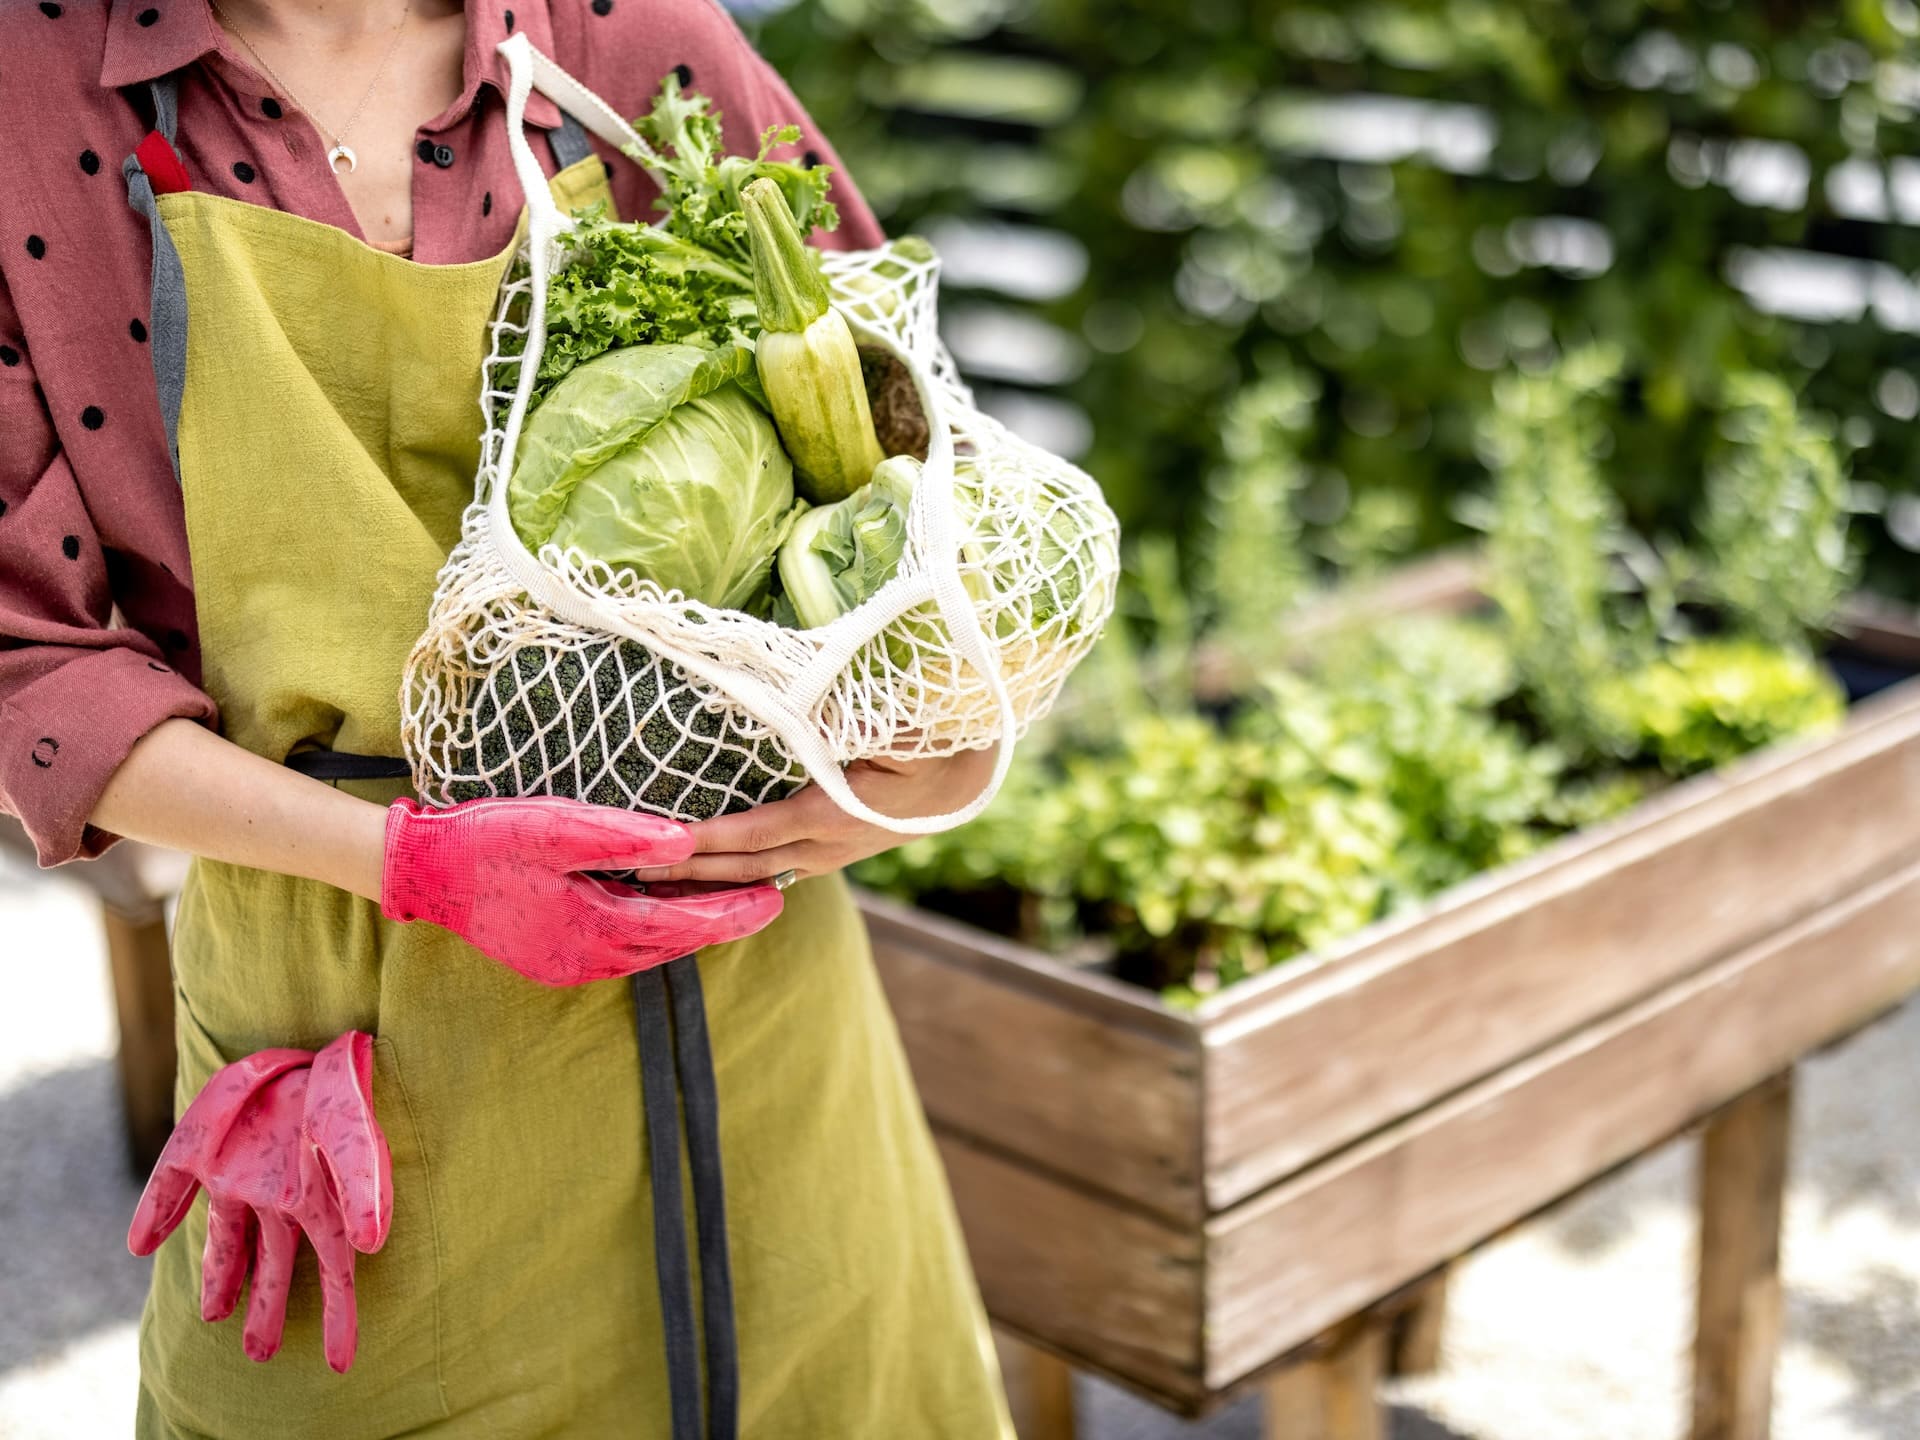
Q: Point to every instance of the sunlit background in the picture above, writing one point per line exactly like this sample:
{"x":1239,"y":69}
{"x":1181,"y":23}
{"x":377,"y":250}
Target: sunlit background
{"x":1146,"y":208}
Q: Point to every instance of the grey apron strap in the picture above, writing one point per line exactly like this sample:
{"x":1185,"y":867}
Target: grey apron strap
{"x":167,"y":316}
{"x":569,"y":142}
{"x":700,"y":1099}
{"x":670,"y":1023}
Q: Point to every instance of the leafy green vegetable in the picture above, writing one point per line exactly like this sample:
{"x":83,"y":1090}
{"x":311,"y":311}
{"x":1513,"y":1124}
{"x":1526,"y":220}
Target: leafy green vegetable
{"x":839,"y":556}
{"x":637,"y":285}
{"x":652,"y":458}
{"x":703,"y":182}
{"x":688,"y":278}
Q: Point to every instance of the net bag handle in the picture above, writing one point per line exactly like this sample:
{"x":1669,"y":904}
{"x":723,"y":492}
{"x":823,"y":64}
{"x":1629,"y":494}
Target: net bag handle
{"x":931,"y":519}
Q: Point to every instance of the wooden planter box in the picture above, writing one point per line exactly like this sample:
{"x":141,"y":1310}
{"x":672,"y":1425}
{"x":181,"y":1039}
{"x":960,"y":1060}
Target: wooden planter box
{"x":1182,"y":1201}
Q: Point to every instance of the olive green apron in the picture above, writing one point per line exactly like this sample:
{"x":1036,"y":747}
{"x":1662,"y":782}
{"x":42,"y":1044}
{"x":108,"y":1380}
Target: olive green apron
{"x":328,"y":433}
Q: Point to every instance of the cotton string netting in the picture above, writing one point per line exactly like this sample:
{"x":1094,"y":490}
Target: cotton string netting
{"x":554,"y":674}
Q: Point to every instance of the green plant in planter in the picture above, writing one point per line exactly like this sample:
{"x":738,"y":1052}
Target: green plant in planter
{"x":1205,"y":842}
{"x":1705,"y":702}
{"x":1775,"y":516}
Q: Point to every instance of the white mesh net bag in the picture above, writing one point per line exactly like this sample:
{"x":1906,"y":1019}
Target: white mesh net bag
{"x":554,"y":674}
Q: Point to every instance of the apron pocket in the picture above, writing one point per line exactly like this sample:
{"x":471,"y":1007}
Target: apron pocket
{"x":199,"y":1378}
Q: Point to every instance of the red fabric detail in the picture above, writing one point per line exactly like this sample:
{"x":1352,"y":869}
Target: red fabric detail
{"x":165,"y":170}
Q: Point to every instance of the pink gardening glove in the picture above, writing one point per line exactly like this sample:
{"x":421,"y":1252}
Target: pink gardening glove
{"x":506,"y":876}
{"x":285,"y":1144}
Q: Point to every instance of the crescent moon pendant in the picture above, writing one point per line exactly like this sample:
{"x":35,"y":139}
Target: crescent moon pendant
{"x":339,"y":153}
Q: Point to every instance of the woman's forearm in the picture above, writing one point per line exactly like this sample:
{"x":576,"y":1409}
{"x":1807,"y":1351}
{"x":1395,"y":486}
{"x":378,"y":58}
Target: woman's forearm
{"x":186,"y":788}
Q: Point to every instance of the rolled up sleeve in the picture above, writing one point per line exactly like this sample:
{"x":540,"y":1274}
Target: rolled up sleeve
{"x":76,"y":690}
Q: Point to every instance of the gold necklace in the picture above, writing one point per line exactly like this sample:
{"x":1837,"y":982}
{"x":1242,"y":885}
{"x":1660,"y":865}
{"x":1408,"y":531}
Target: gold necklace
{"x":340,"y":150}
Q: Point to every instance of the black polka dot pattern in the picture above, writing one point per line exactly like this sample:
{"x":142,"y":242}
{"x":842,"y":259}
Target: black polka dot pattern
{"x":3,"y":509}
{"x":486,"y":203}
{"x":70,"y":547}
{"x":9,"y":356}
{"x":36,"y":247}
{"x":137,"y":328}
{"x":45,"y":750}
{"x":683,"y":72}
{"x":93,"y":417}
{"x":147,"y":18}
{"x":49,"y":9}
{"x":810,"y":159}
{"x":89,"y":162}
{"x":425,"y":151}
{"x":243,"y":172}
{"x":603,"y":7}
{"x":270,"y":108}
{"x":509,"y":19}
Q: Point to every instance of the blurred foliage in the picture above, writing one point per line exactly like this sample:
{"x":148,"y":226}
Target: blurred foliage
{"x":1705,"y":702}
{"x":1401,"y":200}
{"x":1207,"y":831}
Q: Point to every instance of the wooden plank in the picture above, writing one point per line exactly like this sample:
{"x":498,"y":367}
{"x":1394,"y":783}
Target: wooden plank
{"x":1321,"y":1053}
{"x":1021,"y":967}
{"x":1289,"y":1264}
{"x":1105,"y":1285}
{"x":1743,"y":1185}
{"x":1109,"y":1107}
{"x":1419,"y":1329}
{"x":138,"y":959}
{"x":1039,"y":1388}
{"x":1334,"y":1396}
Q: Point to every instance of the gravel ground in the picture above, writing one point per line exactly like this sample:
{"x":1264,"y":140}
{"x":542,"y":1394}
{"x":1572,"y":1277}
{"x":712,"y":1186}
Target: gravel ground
{"x":1573,"y":1328}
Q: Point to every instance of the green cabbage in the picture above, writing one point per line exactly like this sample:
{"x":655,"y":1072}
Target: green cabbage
{"x":654,"y":459}
{"x":839,"y":555}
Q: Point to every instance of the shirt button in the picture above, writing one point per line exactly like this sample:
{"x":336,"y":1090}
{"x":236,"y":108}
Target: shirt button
{"x":443,"y":155}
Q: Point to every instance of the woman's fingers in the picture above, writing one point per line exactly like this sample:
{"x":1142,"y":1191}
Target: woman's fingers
{"x":804,"y":858}
{"x":223,"y":1264}
{"x":765,"y":827}
{"x":279,"y":1242}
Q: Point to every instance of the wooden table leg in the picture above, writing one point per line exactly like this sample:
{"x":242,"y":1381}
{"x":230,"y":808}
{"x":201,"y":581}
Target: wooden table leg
{"x":1039,"y":1390}
{"x":1743,"y":1180}
{"x":1334,"y":1396}
{"x":1417,"y":1331}
{"x":143,"y":998}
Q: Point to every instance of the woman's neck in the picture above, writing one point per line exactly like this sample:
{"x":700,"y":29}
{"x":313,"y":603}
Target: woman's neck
{"x":325,"y":22}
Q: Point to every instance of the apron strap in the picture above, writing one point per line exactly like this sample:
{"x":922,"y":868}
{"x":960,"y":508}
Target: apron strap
{"x":670,"y":1022}
{"x":700,"y":1099}
{"x":167,"y":303}
{"x":569,"y":143}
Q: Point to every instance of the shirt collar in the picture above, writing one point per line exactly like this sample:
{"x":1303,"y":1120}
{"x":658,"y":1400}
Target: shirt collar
{"x":150,"y":38}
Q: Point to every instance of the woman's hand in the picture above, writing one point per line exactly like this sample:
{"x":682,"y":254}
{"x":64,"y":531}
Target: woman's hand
{"x":810,"y":835}
{"x":515,"y":879}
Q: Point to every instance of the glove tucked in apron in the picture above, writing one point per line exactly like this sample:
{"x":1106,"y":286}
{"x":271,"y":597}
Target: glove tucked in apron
{"x":537,"y":1279}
